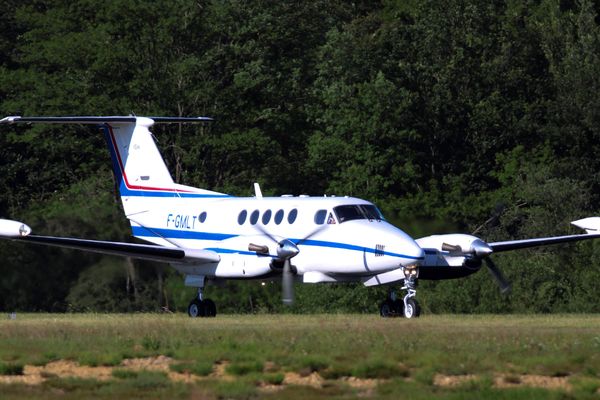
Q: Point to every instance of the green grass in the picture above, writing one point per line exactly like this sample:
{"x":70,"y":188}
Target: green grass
{"x":259,"y":349}
{"x":199,"y":367}
{"x":11,"y":369}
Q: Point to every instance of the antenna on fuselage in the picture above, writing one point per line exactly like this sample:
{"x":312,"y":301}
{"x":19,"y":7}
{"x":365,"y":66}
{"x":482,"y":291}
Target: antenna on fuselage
{"x":257,"y":191}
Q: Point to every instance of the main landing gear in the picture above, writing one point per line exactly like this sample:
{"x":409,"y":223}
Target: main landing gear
{"x":408,"y":306}
{"x":202,"y":307}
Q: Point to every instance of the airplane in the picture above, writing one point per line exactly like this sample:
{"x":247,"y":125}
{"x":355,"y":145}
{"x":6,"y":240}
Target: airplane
{"x":210,"y":237}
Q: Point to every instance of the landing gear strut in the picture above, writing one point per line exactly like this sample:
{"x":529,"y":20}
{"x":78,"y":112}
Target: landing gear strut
{"x":408,"y":306}
{"x":202,"y":307}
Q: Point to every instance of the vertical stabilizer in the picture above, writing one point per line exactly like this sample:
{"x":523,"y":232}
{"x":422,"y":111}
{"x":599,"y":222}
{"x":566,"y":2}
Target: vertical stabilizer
{"x":137,"y":163}
{"x":144,"y":181}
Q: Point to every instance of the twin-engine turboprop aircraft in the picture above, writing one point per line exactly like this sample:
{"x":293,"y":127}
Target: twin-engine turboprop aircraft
{"x":210,"y":236}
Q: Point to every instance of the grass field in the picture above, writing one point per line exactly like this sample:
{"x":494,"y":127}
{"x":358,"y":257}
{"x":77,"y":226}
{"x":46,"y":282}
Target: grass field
{"x":294,"y":356}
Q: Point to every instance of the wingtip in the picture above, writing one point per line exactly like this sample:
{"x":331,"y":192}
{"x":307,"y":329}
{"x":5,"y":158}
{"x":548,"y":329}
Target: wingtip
{"x":591,"y":224}
{"x":13,"y":229}
{"x":11,"y":119}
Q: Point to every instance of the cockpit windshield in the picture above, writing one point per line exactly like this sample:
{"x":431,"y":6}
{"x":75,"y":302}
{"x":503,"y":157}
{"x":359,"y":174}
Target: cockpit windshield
{"x":359,"y":211}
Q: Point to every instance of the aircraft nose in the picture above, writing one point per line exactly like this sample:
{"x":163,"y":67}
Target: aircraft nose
{"x":416,"y":253}
{"x":412,"y":252}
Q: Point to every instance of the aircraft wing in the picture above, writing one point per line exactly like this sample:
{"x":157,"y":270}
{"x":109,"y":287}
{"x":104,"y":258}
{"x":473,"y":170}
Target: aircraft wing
{"x":18,"y":231}
{"x":591,"y":225}
{"x":525,"y":243}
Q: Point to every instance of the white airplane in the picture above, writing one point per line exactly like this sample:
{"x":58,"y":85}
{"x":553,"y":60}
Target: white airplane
{"x":210,"y":237}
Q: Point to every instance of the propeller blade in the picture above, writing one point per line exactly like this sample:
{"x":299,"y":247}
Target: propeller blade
{"x":264,"y":232}
{"x":287,"y":284}
{"x":313,"y":233}
{"x":497,"y":274}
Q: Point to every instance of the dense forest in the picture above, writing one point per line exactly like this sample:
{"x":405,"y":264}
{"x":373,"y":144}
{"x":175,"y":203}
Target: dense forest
{"x":463,"y":116}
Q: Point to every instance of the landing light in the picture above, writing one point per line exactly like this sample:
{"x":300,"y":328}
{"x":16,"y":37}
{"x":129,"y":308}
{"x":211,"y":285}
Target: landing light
{"x":411,"y":270}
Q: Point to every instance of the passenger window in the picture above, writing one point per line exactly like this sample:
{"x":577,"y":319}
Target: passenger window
{"x":202,"y":216}
{"x":320,"y":217}
{"x":254,"y":217}
{"x":266,"y":217}
{"x":292,"y":216}
{"x":278,"y":217}
{"x":242,"y":217}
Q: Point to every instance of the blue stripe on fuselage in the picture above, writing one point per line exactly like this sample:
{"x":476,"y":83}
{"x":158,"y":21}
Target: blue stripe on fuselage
{"x":337,"y":245}
{"x":177,"y":234}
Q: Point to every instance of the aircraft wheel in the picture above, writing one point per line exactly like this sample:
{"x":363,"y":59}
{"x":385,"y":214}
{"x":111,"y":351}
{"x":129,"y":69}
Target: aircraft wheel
{"x":412,"y":309}
{"x":210,"y":308}
{"x":196,"y":308}
{"x":398,"y":307}
{"x":386,"y":309}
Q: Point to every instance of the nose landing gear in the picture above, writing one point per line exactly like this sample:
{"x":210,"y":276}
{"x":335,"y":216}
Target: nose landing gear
{"x":408,"y":306}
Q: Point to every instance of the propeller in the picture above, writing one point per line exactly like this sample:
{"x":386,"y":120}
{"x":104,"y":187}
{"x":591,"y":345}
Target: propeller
{"x":497,"y":274}
{"x":480,"y":251}
{"x":286,"y":250}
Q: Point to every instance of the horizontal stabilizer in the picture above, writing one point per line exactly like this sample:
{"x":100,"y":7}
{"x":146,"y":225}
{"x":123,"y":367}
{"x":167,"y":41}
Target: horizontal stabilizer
{"x":99,"y":120}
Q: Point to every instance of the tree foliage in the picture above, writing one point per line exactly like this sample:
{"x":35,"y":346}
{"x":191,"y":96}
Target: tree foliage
{"x":443,"y":113}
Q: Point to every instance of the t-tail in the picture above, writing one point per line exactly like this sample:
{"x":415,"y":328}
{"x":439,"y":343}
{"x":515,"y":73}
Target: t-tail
{"x":144,"y":182}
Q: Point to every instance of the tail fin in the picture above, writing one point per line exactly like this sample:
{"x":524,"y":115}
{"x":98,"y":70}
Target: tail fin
{"x":140,"y":170}
{"x":137,"y":164}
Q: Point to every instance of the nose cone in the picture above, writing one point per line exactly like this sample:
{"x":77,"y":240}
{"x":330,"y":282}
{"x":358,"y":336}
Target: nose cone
{"x":409,"y":250}
{"x":403,"y":246}
{"x":414,"y":253}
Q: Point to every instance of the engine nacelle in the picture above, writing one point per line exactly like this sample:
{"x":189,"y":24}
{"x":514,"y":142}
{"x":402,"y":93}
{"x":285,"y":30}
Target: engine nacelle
{"x":449,"y":250}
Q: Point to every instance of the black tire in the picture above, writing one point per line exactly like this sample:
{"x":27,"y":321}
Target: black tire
{"x":210,"y":308}
{"x":386,"y":309}
{"x":196,"y":308}
{"x":398,"y":307}
{"x":412,"y":309}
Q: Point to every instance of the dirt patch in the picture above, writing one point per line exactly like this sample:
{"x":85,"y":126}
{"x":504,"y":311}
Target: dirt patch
{"x":314,"y":380}
{"x":504,"y":381}
{"x":539,"y":381}
{"x":452,"y":380}
{"x":219,"y":371}
{"x":270,"y":388}
{"x":35,"y":375}
{"x":159,"y":363}
{"x":358,"y":383}
{"x":28,"y":378}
